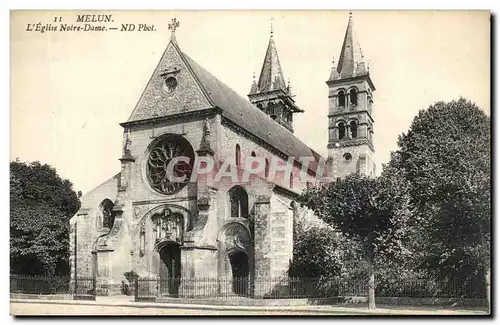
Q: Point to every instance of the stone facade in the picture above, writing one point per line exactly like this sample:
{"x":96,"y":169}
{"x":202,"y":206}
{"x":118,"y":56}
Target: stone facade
{"x":203,"y":227}
{"x":211,"y":234}
{"x":350,"y":115}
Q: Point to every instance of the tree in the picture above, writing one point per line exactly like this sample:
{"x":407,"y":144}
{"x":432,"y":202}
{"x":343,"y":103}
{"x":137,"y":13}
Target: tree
{"x":41,"y":204}
{"x":445,"y":159}
{"x":316,"y":253}
{"x":365,"y":210}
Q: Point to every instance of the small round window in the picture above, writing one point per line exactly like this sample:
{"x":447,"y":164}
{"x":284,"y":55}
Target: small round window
{"x":170,"y":84}
{"x":347,"y":157}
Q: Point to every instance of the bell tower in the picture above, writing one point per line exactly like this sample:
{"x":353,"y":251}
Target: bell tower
{"x":350,"y":121}
{"x":270,"y":94}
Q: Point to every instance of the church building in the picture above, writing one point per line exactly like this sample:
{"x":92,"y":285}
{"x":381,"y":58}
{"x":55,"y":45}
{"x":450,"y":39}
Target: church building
{"x":196,"y":227}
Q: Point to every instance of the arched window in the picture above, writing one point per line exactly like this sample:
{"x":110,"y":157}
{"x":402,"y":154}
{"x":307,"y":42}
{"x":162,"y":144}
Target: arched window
{"x":341,"y":126}
{"x":341,"y":98}
{"x":354,"y":129}
{"x":254,"y":163}
{"x":266,"y":170}
{"x":142,"y":242}
{"x":239,"y":202}
{"x":108,"y":216}
{"x":353,"y":97}
{"x":238,"y":155}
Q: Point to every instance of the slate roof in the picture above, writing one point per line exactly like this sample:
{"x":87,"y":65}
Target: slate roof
{"x":271,"y":75}
{"x":243,"y":113}
{"x":351,"y":62}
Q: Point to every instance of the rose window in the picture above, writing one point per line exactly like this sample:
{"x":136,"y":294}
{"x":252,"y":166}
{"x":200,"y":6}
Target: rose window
{"x":169,"y":164}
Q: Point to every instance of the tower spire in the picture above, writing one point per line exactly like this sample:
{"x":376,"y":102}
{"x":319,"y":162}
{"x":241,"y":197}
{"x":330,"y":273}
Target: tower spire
{"x":271,"y":93}
{"x":351,"y":61}
{"x":271,"y":75}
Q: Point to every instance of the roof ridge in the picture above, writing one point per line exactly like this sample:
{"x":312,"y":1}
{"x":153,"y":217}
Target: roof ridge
{"x":254,"y":109}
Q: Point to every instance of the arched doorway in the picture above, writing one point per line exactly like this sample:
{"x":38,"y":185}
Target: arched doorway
{"x":240,"y":271}
{"x":235,"y":259}
{"x":170,"y":269}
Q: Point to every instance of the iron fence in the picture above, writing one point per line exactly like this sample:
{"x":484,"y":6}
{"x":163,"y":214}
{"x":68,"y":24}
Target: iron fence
{"x":40,"y":284}
{"x":295,"y":288}
{"x":82,"y":288}
{"x":266,"y":288}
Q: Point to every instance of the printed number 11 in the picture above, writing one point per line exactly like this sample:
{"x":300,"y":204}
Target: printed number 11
{"x":57,"y":19}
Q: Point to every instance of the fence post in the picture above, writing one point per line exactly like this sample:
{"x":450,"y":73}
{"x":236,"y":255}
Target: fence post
{"x":94,"y":287}
{"x":136,"y":289}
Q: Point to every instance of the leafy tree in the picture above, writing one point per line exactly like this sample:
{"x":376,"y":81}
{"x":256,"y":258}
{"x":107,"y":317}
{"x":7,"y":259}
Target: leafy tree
{"x":316,"y":253}
{"x":445,"y":160}
{"x":41,"y":204}
{"x":365,"y":210}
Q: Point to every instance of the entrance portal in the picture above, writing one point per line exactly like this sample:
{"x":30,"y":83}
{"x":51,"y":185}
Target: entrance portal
{"x":170,"y":270}
{"x":240,"y":270}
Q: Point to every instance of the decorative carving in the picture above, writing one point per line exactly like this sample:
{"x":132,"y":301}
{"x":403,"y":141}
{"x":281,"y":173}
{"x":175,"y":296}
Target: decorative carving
{"x":159,"y":176}
{"x":127,"y":156}
{"x":237,"y":236}
{"x":128,"y":143}
{"x":168,"y":227}
{"x":137,"y":212}
{"x":170,"y":72}
{"x":205,"y":148}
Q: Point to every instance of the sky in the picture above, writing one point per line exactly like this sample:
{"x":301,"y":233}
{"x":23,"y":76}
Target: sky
{"x":70,"y":90}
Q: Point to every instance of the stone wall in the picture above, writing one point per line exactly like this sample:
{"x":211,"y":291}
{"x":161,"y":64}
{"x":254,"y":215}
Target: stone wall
{"x":226,"y":145}
{"x":361,"y":161}
{"x":86,"y":225}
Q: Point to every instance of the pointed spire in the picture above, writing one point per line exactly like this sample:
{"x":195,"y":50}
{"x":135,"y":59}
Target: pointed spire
{"x":351,"y":61}
{"x":271,"y":75}
{"x":205,"y":148}
{"x":254,"y":89}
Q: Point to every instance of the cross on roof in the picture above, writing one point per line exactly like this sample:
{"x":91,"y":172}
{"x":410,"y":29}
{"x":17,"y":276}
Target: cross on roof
{"x":173,"y":25}
{"x":272,"y":25}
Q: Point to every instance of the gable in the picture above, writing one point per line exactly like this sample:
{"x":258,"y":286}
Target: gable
{"x":106,"y":190}
{"x":156,"y":99}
